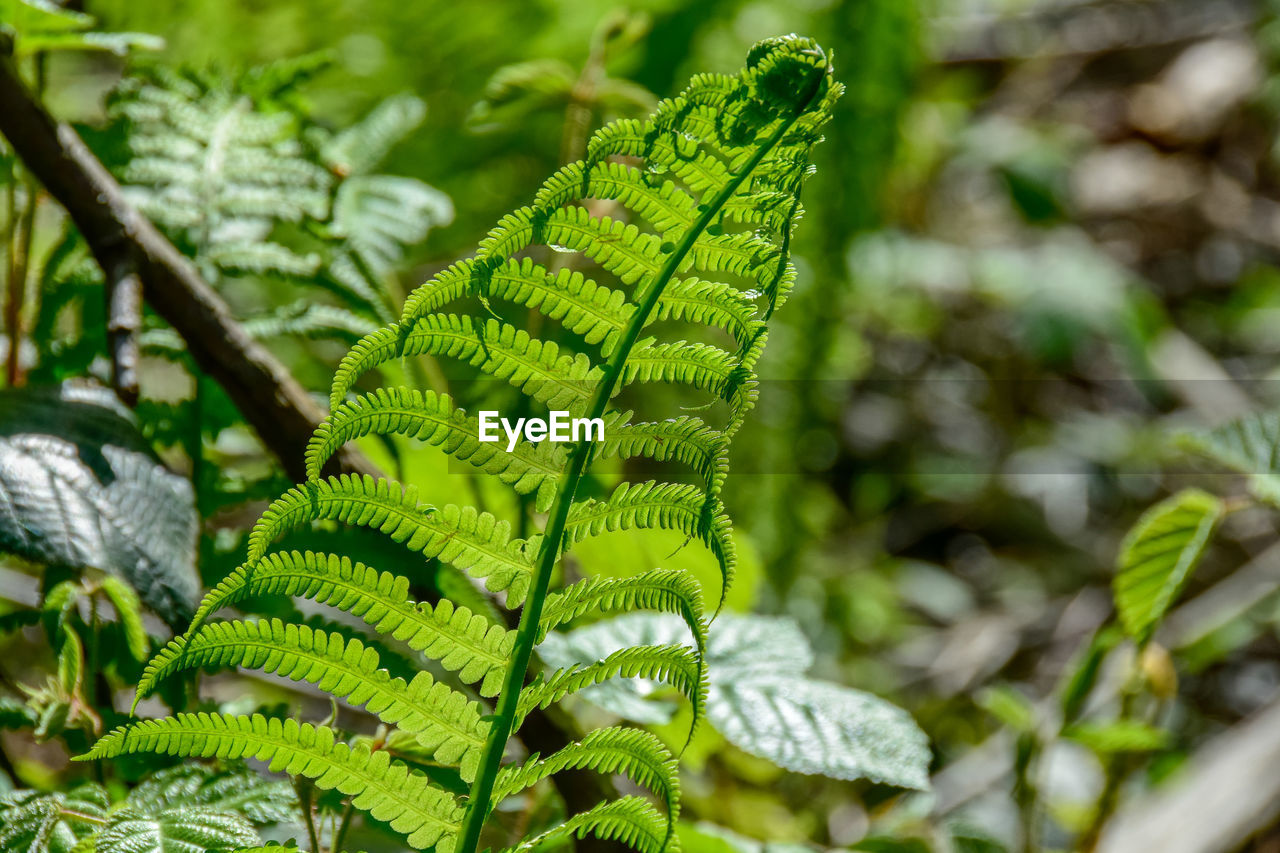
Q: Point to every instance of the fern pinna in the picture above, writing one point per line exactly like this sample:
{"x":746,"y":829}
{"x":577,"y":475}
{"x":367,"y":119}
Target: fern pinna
{"x":711,"y":186}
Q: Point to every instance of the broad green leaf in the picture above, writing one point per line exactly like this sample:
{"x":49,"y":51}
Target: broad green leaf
{"x":238,"y":790}
{"x":79,"y":487}
{"x":36,"y":822}
{"x":1249,"y":445}
{"x":759,"y":698}
{"x":181,"y":829}
{"x":1158,"y":556}
{"x":821,"y":728}
{"x":358,"y":149}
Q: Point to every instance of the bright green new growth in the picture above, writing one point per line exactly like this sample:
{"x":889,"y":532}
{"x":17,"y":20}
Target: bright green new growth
{"x":703,"y":196}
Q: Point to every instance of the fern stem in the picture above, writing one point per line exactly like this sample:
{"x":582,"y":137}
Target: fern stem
{"x":478,"y":803}
{"x":303,"y":789}
{"x":340,"y":834}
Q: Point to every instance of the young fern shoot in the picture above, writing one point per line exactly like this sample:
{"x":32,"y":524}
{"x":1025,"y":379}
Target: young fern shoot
{"x":710,"y":184}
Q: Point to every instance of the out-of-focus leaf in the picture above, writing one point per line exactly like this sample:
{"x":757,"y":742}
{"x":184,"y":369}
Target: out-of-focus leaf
{"x":1250,"y":445}
{"x":1118,"y":736}
{"x":128,"y":610}
{"x":759,"y":698}
{"x":356,"y":150}
{"x":1083,"y":675}
{"x":70,"y":662}
{"x":39,"y":26}
{"x":15,"y":714}
{"x":117,"y":43}
{"x":518,"y":89}
{"x":79,"y":487}
{"x":52,"y":720}
{"x":1158,"y":556}
{"x":1009,"y":707}
{"x":240,"y":791}
{"x":40,"y":16}
{"x":382,"y":214}
{"x":704,"y":837}
{"x":35,"y":822}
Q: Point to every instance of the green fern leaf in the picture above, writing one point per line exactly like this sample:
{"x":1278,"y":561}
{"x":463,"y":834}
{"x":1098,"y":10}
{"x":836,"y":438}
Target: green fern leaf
{"x":432,"y":418}
{"x":703,"y":366}
{"x":678,"y":666}
{"x":659,"y":506}
{"x":473,"y":541}
{"x":659,"y":590}
{"x":386,"y":789}
{"x":460,"y":640}
{"x":628,"y":820}
{"x":535,"y":367}
{"x":358,"y":149}
{"x":685,"y":439}
{"x":306,"y":319}
{"x":441,"y":719}
{"x":597,"y":313}
{"x":634,"y":753}
{"x":217,"y":172}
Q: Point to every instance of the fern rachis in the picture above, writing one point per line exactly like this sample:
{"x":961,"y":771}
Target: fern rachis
{"x":729,"y":150}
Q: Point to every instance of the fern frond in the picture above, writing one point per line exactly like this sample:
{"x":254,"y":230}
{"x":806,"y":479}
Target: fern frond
{"x":458,"y":639}
{"x":599,"y":314}
{"x":659,"y":506}
{"x":619,"y":247}
{"x":660,"y":590}
{"x":664,"y":206}
{"x":703,"y":366}
{"x":432,"y":418}
{"x":637,"y":754}
{"x":307,"y":319}
{"x":746,"y":255}
{"x":711,"y":303}
{"x":441,"y":720}
{"x":535,"y":367}
{"x":474,"y":541}
{"x":676,"y":153}
{"x":685,"y":439}
{"x":628,"y":820}
{"x":385,"y":789}
{"x":678,"y":666}
{"x":207,"y":164}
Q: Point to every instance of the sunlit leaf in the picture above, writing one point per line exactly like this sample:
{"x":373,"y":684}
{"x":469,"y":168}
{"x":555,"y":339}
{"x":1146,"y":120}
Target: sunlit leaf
{"x":1158,"y":556}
